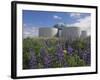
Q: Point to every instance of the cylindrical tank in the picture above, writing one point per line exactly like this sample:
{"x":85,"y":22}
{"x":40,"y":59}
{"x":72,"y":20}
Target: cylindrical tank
{"x":83,"y":34}
{"x":47,"y":32}
{"x":70,"y":33}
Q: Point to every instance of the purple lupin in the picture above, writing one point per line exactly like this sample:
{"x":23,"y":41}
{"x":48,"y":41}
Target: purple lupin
{"x":33,"y":60}
{"x":45,"y":57}
{"x":69,"y":50}
{"x":60,"y":55}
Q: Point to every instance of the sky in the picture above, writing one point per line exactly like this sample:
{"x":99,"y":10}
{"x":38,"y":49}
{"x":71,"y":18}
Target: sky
{"x":32,"y":20}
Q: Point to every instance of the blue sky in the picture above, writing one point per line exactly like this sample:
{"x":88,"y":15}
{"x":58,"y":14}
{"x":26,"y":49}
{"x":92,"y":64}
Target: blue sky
{"x":48,"y":19}
{"x":32,"y":20}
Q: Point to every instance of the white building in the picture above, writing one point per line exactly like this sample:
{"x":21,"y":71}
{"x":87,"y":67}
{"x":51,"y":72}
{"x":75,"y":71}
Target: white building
{"x":66,"y":33}
{"x":47,"y":32}
{"x":71,"y":33}
{"x":83,"y":34}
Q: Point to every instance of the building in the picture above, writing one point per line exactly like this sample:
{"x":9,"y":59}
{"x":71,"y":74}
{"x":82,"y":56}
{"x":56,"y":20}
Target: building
{"x":47,"y":32}
{"x":62,"y":31}
{"x":71,"y":33}
{"x":83,"y":34}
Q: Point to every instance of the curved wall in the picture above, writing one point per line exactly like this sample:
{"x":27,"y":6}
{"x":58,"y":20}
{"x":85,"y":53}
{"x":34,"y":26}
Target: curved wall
{"x":47,"y":32}
{"x":83,"y":34}
{"x":71,"y":33}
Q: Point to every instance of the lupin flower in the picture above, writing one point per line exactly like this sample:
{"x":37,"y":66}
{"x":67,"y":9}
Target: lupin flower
{"x":60,"y":55}
{"x":87,"y":57}
{"x":33,"y":60}
{"x":47,"y":61}
{"x":69,"y":50}
{"x":45,"y":57}
{"x":60,"y":52}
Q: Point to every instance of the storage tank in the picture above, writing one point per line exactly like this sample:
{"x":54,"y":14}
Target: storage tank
{"x":83,"y":34}
{"x":47,"y":32}
{"x":71,"y":33}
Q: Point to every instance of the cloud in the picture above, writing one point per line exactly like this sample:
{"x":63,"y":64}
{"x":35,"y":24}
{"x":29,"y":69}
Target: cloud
{"x":75,"y":15}
{"x":83,"y":23}
{"x":57,"y":17}
{"x":30,"y":31}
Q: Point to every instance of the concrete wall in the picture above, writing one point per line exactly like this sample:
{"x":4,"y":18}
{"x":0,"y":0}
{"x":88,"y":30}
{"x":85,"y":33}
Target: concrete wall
{"x":71,"y":33}
{"x":47,"y":32}
{"x":83,"y":34}
{"x":67,"y":33}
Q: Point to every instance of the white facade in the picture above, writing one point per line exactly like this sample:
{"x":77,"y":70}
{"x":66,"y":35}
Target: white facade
{"x":67,"y":33}
{"x":71,"y":33}
{"x":83,"y":34}
{"x":47,"y":32}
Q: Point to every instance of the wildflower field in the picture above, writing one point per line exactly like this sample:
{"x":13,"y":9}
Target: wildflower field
{"x":55,"y":53}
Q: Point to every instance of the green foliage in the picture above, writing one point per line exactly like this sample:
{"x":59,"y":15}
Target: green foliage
{"x":75,"y":61}
{"x":38,"y":43}
{"x":78,"y":44}
{"x":26,"y":58}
